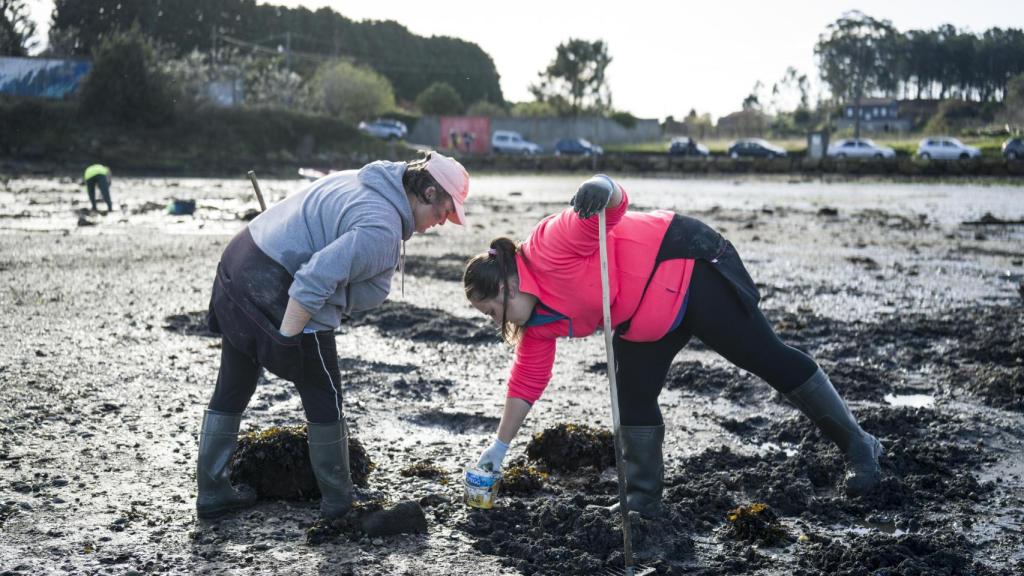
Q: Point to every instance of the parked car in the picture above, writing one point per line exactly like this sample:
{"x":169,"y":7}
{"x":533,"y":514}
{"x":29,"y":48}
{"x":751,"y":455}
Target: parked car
{"x":944,"y":148}
{"x":508,"y":142}
{"x":859,"y":148}
{"x":577,"y":147}
{"x":686,"y":146}
{"x":385,"y":129}
{"x":755,"y":148}
{"x":1013,"y":149}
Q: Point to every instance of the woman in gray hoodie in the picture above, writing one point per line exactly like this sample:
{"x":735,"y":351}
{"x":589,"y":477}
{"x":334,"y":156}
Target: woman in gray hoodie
{"x":283,"y":285}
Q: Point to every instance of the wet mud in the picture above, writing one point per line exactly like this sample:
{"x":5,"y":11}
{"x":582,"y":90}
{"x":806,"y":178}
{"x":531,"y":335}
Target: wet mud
{"x":915,"y":317}
{"x":401,"y":320}
{"x":190,"y":324}
{"x":374,"y":519}
{"x":447,"y":267}
{"x":457,"y":422}
{"x":574,"y":536}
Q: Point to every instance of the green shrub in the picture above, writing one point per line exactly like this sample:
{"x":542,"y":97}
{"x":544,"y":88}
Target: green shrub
{"x":126,"y":84}
{"x":440,"y":99}
{"x":624,"y":119}
{"x":485,"y":108}
{"x":350,"y":92}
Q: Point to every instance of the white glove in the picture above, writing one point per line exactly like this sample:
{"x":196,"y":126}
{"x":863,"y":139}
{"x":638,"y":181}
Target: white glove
{"x":490,"y":459}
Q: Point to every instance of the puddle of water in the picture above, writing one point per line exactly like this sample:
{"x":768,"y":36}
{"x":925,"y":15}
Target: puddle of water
{"x":864,"y":527}
{"x":767,"y":447}
{"x":910,"y":400}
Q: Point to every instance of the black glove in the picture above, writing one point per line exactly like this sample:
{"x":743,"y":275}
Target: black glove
{"x":592,"y":196}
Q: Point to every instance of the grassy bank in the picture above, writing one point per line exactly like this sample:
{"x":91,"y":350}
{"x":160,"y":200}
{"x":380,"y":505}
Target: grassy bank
{"x":661,"y":163}
{"x":991,"y":147}
{"x":54,"y":137}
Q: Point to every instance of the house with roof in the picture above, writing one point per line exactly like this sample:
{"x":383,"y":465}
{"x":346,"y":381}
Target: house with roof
{"x":876,"y":115}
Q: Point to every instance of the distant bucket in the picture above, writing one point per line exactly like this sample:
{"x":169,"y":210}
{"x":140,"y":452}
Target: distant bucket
{"x":181,"y":207}
{"x":481,"y":488}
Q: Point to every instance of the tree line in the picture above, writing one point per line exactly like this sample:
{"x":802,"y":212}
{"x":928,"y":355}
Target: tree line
{"x":860,"y":55}
{"x":411,"y":63}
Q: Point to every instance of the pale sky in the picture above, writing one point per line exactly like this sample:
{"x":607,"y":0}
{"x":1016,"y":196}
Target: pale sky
{"x":667,"y":57}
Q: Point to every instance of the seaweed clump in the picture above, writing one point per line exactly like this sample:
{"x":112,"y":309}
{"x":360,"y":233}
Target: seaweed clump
{"x":757,"y":524}
{"x":425,"y":469}
{"x":275,"y":463}
{"x":522,"y":480}
{"x":569,"y":447}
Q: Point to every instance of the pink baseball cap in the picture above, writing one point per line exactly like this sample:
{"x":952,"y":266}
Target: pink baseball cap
{"x":452,"y":176}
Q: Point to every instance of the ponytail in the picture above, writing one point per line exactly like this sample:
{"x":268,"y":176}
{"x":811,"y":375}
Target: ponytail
{"x":485,"y":275}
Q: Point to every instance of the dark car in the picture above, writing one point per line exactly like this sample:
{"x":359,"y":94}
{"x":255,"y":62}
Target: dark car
{"x":577,"y":147}
{"x":755,"y":148}
{"x":684,"y":146}
{"x":1013,"y":149}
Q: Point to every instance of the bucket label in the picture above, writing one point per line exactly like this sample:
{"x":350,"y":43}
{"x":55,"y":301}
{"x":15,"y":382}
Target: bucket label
{"x":481,"y":488}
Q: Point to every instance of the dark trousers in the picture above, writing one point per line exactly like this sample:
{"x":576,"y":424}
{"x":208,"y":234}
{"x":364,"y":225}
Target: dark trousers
{"x":319,"y":387}
{"x":104,"y":184}
{"x":716,"y":315}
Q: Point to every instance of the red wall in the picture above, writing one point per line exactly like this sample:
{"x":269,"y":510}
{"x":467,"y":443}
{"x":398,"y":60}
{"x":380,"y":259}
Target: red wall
{"x":478,"y":129}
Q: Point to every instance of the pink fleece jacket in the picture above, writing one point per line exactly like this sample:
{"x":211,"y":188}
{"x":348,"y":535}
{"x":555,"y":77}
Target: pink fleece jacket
{"x":560,"y":263}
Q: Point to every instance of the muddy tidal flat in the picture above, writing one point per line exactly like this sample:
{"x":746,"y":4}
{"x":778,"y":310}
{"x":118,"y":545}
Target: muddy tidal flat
{"x":906,"y":294}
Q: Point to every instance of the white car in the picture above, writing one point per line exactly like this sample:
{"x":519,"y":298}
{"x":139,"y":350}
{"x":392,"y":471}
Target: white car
{"x":508,"y":142}
{"x":943,"y":148}
{"x":384,"y":129}
{"x":859,"y":148}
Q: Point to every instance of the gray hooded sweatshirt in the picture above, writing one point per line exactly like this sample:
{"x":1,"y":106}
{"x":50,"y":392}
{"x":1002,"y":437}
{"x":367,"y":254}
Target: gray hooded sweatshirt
{"x":340,"y":238}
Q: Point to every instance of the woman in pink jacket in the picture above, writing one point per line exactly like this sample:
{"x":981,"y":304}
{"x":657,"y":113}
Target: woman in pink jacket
{"x":671,"y":278}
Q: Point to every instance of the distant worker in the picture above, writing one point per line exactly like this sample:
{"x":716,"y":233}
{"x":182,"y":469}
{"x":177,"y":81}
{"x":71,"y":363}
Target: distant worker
{"x":98,"y":175}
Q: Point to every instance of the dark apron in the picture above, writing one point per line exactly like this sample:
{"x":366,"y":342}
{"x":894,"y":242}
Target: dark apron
{"x":250,"y":294}
{"x":692,"y":239}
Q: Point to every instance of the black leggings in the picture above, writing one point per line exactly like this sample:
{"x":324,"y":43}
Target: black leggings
{"x":319,"y":387}
{"x":104,"y":183}
{"x":715,"y":315}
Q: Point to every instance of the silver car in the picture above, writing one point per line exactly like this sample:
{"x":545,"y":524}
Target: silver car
{"x":384,"y":129}
{"x":945,"y":148}
{"x":859,"y":148}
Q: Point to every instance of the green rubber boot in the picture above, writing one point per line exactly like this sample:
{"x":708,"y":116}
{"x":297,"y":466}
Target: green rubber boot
{"x":328,"y":454}
{"x":820,"y":402}
{"x":217,"y":441}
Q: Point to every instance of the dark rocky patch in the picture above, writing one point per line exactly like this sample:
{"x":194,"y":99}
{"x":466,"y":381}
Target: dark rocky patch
{"x":998,"y":386}
{"x":189,"y":324}
{"x":370,"y":519}
{"x":403,"y":320}
{"x":694,"y":377}
{"x":570,"y":536}
{"x":570,"y":447}
{"x":457,"y":422}
{"x":425,"y":469}
{"x":940,"y":553}
{"x":520,"y":480}
{"x":448,"y":267}
{"x":275,"y":463}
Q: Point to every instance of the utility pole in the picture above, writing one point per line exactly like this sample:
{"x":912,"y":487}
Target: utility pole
{"x":288,"y":50}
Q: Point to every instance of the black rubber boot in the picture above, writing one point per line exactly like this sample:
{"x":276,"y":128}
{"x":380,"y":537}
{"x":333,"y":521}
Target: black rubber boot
{"x":217,"y":441}
{"x":328,"y":454}
{"x":820,"y":402}
{"x":645,"y":468}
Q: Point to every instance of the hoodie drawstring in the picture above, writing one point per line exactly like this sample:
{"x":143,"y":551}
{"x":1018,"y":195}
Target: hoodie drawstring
{"x":401,"y":269}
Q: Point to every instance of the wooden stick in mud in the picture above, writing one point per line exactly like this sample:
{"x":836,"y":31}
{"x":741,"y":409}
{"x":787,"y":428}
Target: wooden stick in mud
{"x":256,"y":187}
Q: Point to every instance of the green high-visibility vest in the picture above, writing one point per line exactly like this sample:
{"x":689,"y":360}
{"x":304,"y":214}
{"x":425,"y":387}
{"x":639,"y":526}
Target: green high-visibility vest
{"x":96,"y":170}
